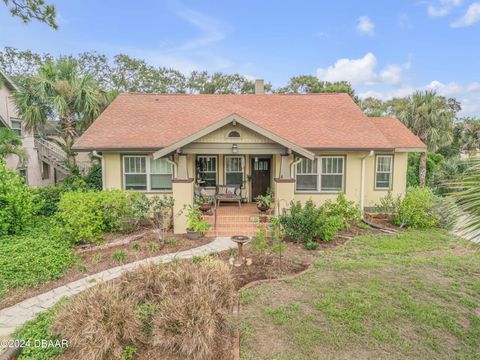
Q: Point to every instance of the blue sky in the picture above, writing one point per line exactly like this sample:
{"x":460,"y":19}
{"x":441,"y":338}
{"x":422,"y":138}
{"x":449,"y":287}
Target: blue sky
{"x":385,"y":48}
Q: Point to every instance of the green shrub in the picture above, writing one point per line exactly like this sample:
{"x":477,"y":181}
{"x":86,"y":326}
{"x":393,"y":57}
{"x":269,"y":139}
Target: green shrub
{"x":84,"y":216}
{"x":310,"y":222}
{"x":330,"y":227}
{"x":93,"y":178}
{"x":119,"y":256}
{"x":346,"y":210}
{"x":311,"y":245}
{"x":17,"y":205}
{"x":416,"y":209}
{"x":33,"y":257}
{"x":47,"y":199}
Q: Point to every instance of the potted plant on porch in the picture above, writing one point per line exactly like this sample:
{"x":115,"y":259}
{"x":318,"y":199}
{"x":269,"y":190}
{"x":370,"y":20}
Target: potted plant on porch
{"x":204,"y":202}
{"x":196,"y":225}
{"x":264,"y":202}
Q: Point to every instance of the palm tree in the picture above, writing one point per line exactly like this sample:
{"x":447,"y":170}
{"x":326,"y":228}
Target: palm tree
{"x":466,"y":192}
{"x":11,"y":144}
{"x":431,"y":118}
{"x":59,"y":92}
{"x":471,"y":136}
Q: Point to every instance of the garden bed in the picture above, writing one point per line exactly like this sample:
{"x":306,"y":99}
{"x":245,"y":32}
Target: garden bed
{"x":92,"y":262}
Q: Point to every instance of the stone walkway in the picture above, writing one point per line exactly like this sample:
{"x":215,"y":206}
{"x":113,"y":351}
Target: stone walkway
{"x":16,"y":315}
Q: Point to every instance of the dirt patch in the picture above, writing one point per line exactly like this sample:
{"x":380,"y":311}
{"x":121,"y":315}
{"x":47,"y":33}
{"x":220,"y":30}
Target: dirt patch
{"x":383,"y":221}
{"x":92,"y":262}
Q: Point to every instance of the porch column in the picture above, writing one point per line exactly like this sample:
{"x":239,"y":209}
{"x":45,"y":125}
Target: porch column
{"x":182,"y":189}
{"x":284,"y":194}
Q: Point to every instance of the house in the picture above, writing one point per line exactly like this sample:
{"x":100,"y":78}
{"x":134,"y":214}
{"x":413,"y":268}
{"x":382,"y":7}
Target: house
{"x":45,"y":163}
{"x":302,"y":146}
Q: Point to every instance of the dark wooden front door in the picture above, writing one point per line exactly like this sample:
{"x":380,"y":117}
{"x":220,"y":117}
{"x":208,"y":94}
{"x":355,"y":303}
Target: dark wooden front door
{"x":260,"y":176}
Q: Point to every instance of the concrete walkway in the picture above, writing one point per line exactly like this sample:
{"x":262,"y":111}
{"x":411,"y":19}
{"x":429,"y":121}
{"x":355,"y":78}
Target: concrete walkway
{"x":16,"y":315}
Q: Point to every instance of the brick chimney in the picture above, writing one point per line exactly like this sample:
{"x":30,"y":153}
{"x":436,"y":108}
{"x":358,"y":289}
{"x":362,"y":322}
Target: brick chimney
{"x":259,"y":87}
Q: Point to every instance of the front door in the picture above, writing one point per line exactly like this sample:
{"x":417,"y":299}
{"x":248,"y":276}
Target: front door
{"x":260,"y":175}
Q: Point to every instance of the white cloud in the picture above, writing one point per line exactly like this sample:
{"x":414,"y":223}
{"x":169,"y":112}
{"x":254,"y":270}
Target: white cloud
{"x":442,"y":8}
{"x":365,"y":25}
{"x":323,"y":34}
{"x":362,"y":71}
{"x":469,"y":18}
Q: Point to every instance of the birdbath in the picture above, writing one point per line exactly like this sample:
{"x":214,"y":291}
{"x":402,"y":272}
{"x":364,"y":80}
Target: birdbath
{"x":240,"y":240}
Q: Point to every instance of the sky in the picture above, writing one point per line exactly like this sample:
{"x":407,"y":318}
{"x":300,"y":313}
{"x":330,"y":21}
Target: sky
{"x":384,"y":48}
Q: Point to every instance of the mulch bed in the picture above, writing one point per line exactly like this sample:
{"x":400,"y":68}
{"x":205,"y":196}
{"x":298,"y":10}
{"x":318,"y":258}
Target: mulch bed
{"x":92,"y":262}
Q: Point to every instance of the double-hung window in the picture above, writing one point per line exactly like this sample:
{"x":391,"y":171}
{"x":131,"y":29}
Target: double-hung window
{"x":17,"y":127}
{"x":234,"y":170}
{"x":332,"y":173}
{"x":145,"y":174}
{"x":207,"y":171}
{"x":383,"y":172}
{"x":324,"y":174}
{"x":161,"y":174}
{"x":307,"y":175}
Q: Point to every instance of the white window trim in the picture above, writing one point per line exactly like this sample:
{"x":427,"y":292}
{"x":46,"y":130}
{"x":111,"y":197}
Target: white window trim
{"x":148,"y":174}
{"x":390,"y":181}
{"x":302,"y":173}
{"x":319,"y":174}
{"x":320,"y":171}
{"x":210,"y":172}
{"x":242,"y":165}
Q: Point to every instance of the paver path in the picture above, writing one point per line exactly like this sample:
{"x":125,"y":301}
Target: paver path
{"x":17,"y":314}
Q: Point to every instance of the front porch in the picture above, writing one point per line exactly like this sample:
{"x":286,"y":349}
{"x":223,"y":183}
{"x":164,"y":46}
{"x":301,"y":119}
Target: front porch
{"x":228,"y":219}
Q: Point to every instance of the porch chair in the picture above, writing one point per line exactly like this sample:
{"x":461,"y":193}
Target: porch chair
{"x":228,"y":193}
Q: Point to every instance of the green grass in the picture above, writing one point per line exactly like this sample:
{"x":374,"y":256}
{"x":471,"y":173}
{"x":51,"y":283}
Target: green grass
{"x":33,"y":257}
{"x":37,"y":329}
{"x":408,"y":296}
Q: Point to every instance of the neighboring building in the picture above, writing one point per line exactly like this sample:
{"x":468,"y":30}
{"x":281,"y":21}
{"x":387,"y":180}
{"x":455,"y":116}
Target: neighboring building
{"x":310,"y":146}
{"x":44,"y":164}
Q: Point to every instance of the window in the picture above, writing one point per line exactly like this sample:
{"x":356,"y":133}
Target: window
{"x":331,"y":177}
{"x":160,"y":174}
{"x":234,"y":134}
{"x":17,"y":127}
{"x":307,"y":175}
{"x":383,"y":173}
{"x":234,"y":170}
{"x":144,"y":173}
{"x":135,"y":170}
{"x":324,"y":174}
{"x":207,"y":171}
{"x":45,"y":171}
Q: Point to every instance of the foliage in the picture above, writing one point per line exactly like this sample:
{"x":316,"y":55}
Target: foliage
{"x":84,"y":216}
{"x":195,"y":222}
{"x":467,"y":195}
{"x":311,"y":84}
{"x":119,"y":256}
{"x":33,"y":257}
{"x":310,"y":222}
{"x":311,"y":245}
{"x":60,"y":91}
{"x":389,"y":204}
{"x":93,"y":178}
{"x":259,"y":241}
{"x":264,"y":200}
{"x":416,"y":209}
{"x":28,"y":10}
{"x":38,"y":329}
{"x":11,"y":144}
{"x":17,"y":205}
{"x":434,"y":163}
{"x":103,"y":314}
{"x":160,"y":211}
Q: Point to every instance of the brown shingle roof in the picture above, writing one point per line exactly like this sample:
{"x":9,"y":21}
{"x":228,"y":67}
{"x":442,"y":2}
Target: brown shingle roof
{"x":397,"y":133}
{"x":314,"y":121}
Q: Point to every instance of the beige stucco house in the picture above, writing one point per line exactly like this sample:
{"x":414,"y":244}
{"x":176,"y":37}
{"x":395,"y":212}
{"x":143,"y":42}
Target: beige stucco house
{"x":309,"y":146}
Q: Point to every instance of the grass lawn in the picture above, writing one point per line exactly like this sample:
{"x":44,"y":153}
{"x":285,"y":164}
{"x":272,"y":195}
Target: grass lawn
{"x":33,"y":257}
{"x":410,"y":296}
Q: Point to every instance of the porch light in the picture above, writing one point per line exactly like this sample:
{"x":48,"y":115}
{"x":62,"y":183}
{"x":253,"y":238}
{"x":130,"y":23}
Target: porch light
{"x":234,"y":148}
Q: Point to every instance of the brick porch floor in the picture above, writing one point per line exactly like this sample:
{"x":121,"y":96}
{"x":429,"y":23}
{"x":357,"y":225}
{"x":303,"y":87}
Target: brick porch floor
{"x":232,"y":220}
